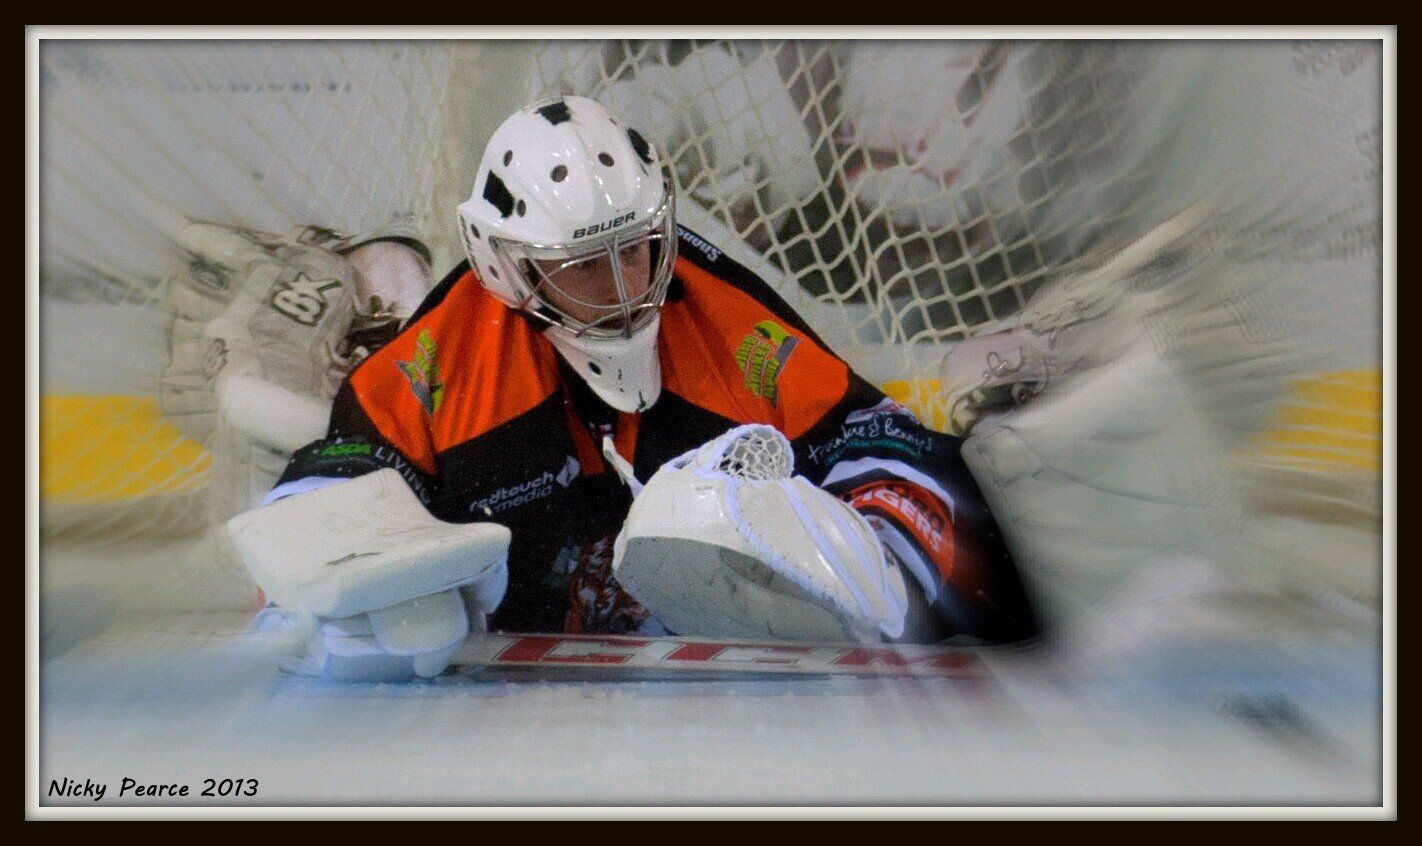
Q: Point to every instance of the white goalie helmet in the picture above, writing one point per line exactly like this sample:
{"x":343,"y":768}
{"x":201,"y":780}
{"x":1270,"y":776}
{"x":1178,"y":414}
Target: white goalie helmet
{"x":572,"y":221}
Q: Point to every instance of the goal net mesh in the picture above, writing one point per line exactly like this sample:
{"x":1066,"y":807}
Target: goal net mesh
{"x":901,"y":195}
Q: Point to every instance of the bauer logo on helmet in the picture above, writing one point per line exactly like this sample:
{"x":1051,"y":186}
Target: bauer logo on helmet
{"x":605,"y":226}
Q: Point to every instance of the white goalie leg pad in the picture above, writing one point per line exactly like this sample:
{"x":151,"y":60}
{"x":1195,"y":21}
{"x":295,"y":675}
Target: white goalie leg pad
{"x":1111,"y":482}
{"x":373,"y":575}
{"x":725,"y":542}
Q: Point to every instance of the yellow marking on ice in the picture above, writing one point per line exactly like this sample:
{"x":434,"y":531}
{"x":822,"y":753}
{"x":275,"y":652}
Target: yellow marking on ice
{"x":1279,"y":436}
{"x":1368,"y":425}
{"x":1329,"y":421}
{"x":103,"y":449}
{"x":1355,"y":391}
{"x":1323,"y":459}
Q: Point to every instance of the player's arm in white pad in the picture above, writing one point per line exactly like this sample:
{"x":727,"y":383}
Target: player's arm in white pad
{"x":382,"y":589}
{"x":265,"y":329}
{"x":725,"y":542}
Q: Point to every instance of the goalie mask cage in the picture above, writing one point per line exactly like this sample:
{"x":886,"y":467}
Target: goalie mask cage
{"x":901,"y":195}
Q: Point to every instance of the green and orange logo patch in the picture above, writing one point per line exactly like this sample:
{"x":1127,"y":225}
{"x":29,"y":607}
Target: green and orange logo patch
{"x":423,"y":372}
{"x":762,"y":355}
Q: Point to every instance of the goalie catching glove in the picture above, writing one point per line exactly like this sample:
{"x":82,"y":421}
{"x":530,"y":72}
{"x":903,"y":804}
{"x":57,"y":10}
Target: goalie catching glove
{"x":382,"y":590}
{"x":725,"y":542}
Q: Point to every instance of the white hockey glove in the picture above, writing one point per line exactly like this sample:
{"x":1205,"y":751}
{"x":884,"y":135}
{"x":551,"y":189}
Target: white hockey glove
{"x":725,"y":542}
{"x":264,"y":330}
{"x":382,"y":590}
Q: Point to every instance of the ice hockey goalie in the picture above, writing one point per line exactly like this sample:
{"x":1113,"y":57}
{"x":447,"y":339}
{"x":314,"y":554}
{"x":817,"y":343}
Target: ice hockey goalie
{"x":670,"y":447}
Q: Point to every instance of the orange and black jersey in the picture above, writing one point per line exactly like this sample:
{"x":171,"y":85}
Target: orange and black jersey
{"x":471,"y":403}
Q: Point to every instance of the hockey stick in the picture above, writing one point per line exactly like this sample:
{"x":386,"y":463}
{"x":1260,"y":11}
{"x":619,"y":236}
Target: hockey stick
{"x":706,"y":657}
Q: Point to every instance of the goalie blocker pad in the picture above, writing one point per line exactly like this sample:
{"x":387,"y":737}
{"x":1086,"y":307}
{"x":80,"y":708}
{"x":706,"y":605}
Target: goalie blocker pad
{"x":362,"y":545}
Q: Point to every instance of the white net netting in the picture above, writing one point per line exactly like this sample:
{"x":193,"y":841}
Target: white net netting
{"x":138,"y":138}
{"x":901,"y":196}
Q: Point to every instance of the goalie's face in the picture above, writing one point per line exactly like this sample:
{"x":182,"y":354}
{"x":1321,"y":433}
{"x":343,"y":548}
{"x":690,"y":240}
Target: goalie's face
{"x":607,"y":290}
{"x":572,"y":222}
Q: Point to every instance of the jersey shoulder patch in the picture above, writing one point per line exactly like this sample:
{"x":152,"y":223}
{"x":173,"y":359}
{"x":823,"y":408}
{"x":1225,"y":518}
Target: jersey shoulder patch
{"x":733,"y":347}
{"x":697,"y":251}
{"x":464,"y":364}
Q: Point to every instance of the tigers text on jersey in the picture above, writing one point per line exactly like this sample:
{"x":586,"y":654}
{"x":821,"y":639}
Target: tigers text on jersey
{"x":471,"y":403}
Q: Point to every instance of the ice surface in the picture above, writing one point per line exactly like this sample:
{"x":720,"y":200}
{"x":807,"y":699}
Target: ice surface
{"x":182,"y":697}
{"x":149,"y":670}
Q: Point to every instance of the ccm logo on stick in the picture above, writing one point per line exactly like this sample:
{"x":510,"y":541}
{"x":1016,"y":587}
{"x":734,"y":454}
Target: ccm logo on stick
{"x":604,"y":226}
